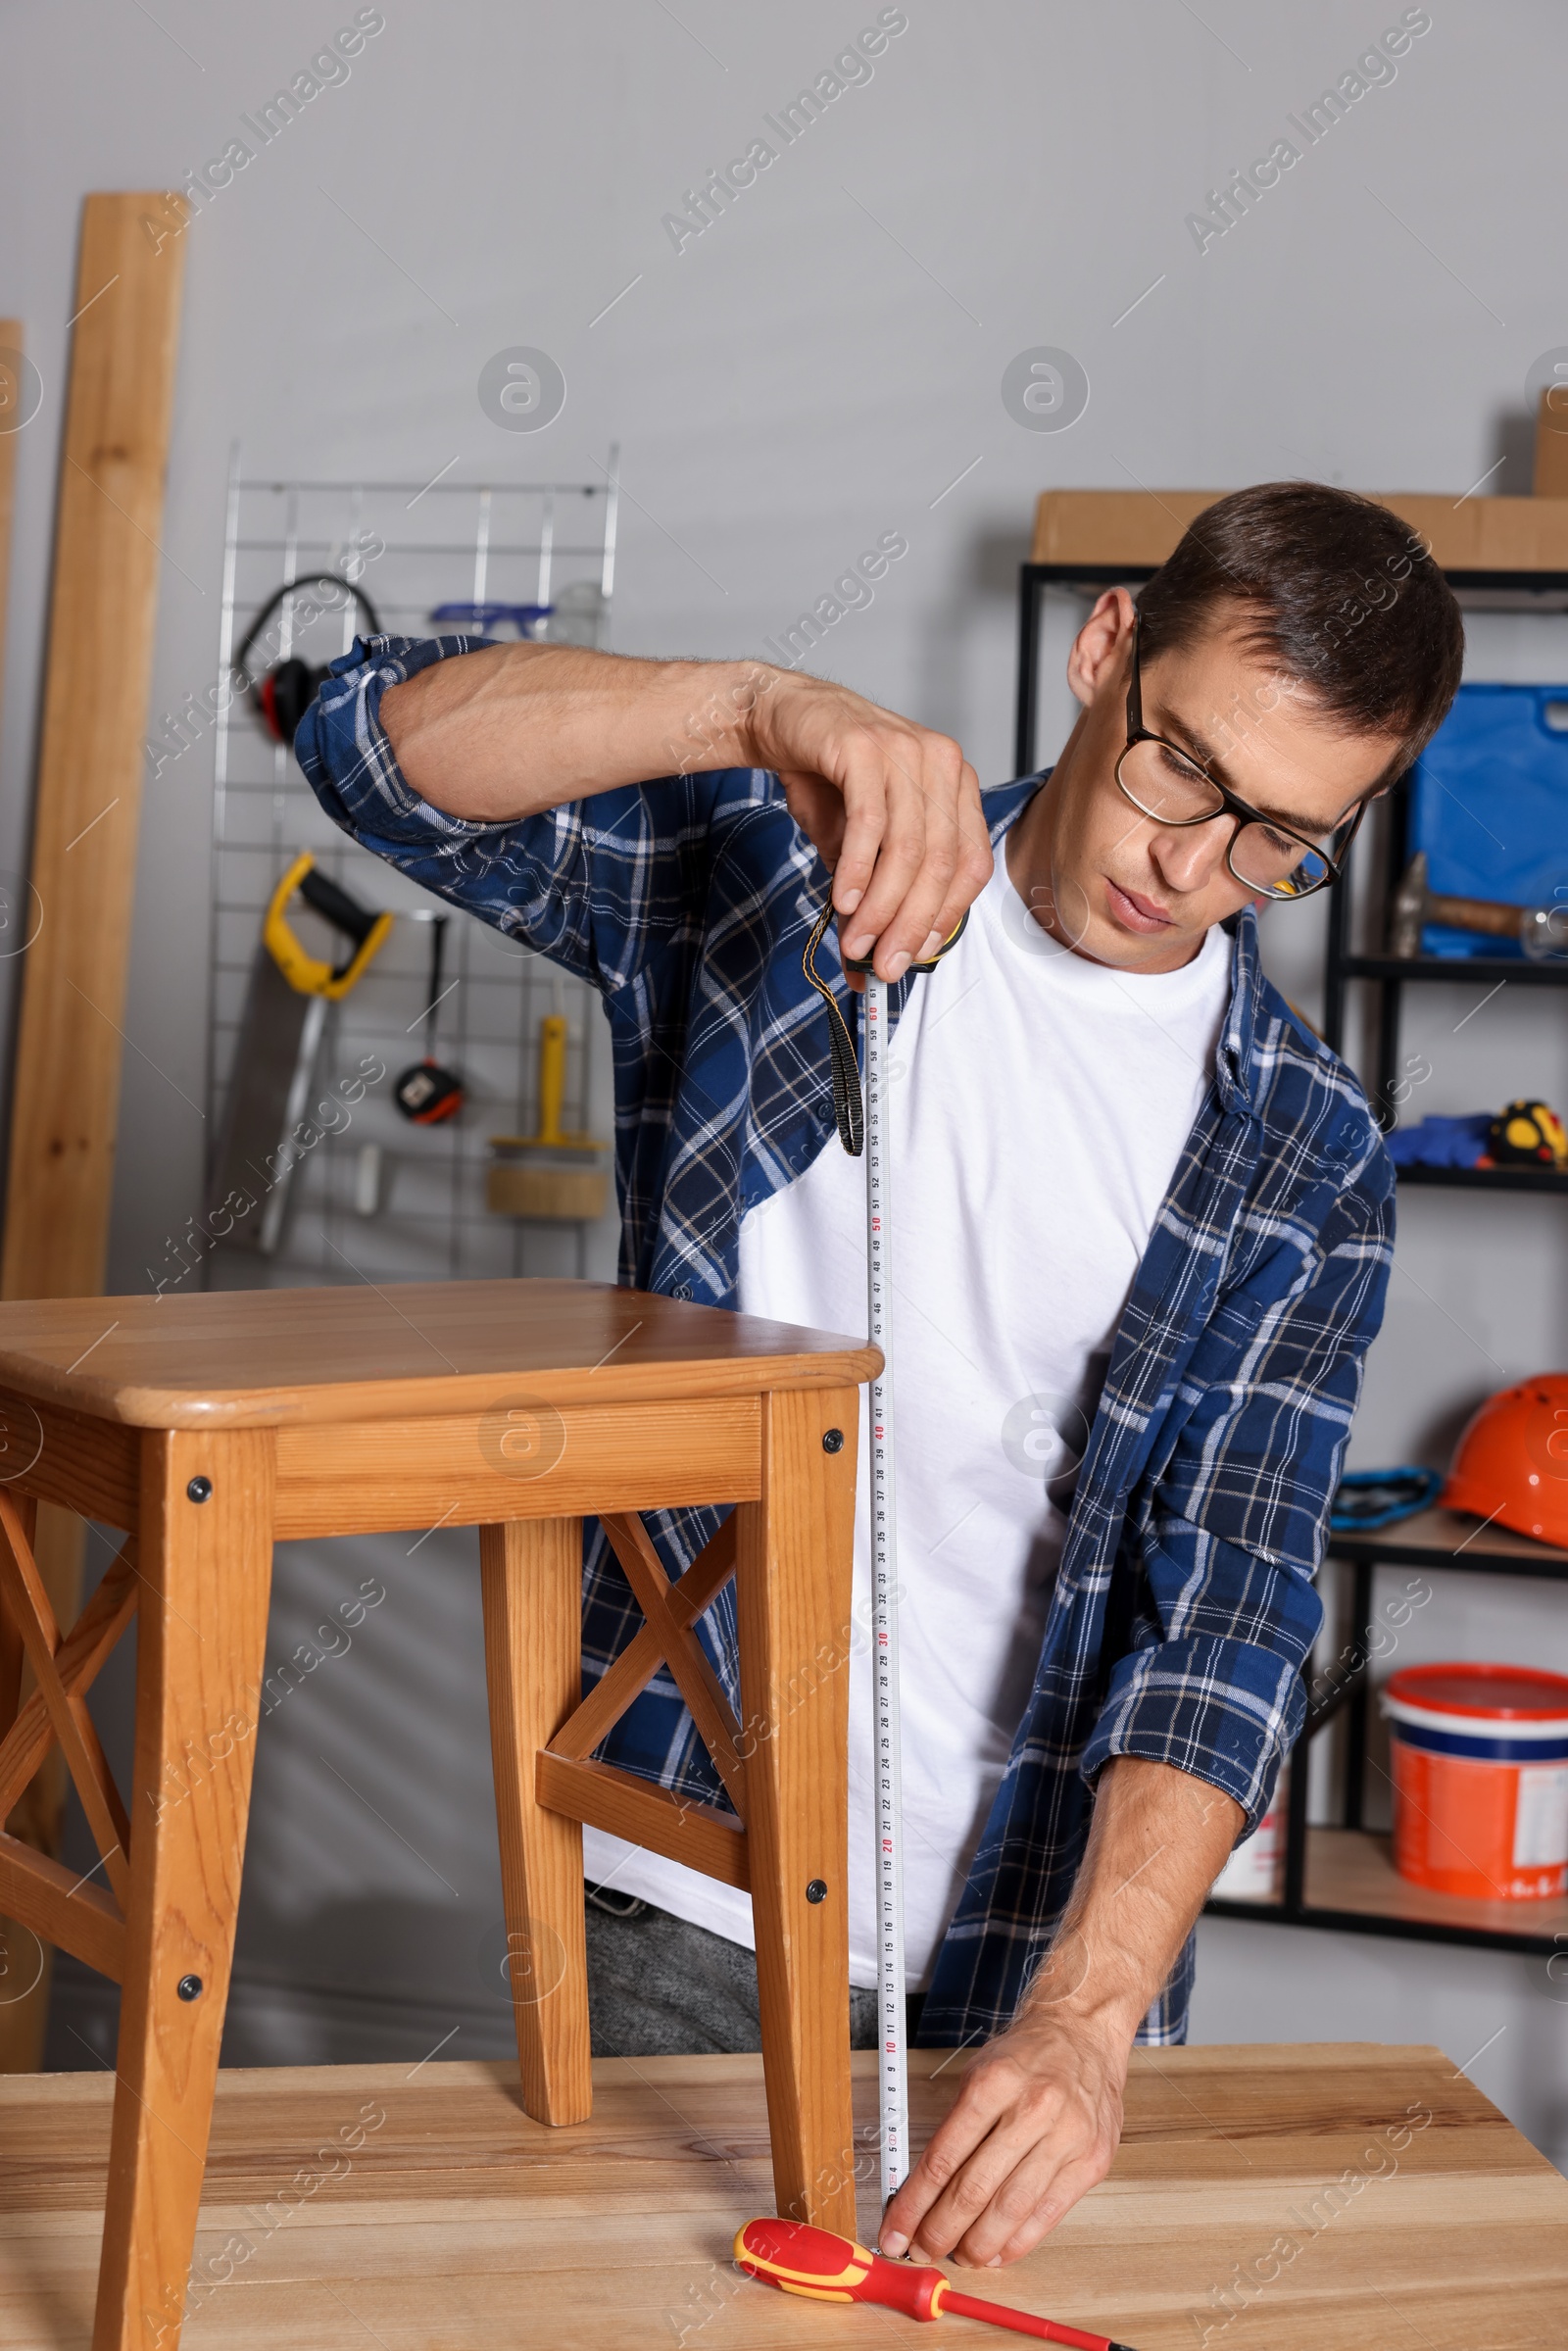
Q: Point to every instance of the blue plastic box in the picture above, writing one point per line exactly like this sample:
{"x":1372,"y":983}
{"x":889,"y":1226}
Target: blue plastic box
{"x":1488,"y":804}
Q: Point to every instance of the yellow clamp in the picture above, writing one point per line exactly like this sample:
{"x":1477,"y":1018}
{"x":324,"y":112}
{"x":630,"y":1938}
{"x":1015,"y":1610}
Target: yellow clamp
{"x":308,"y":974}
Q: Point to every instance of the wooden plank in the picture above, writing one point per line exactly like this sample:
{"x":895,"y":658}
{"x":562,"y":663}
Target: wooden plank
{"x":58,"y":1907}
{"x":448,"y":2214}
{"x":1140,"y":527}
{"x":452,"y":1470}
{"x":66,"y":1086}
{"x":702,"y":1837}
{"x":201,"y":1636}
{"x":794,"y":1558}
{"x":1550,"y":478}
{"x":66,"y":1095}
{"x":531,"y":1576}
{"x":13,"y":416}
{"x":258,"y":1358}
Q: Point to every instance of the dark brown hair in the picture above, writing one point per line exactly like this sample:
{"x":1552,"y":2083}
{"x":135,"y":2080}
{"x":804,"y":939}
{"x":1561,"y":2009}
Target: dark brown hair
{"x":1333,"y":588}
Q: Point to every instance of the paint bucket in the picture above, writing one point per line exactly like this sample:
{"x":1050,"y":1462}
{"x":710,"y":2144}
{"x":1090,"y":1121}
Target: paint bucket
{"x":1480,"y":1768}
{"x":1255,"y":1870}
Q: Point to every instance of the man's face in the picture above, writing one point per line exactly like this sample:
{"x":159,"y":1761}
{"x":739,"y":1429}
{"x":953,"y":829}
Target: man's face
{"x":1124,"y":890}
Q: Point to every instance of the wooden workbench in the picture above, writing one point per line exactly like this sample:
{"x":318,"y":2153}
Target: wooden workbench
{"x":458,"y":2225}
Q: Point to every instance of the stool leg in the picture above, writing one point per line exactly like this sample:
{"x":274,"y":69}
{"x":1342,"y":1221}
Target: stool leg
{"x":206,"y":1569}
{"x":795,"y":1552}
{"x":531,"y":1571}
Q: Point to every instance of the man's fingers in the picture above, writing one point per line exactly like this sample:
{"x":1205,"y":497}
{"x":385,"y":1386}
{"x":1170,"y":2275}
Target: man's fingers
{"x":1029,"y":2132}
{"x":899,"y":908}
{"x":1037,"y":2194}
{"x":817,"y":808}
{"x":909,"y":911}
{"x":910,"y":881}
{"x":866,"y":814}
{"x":980,"y":2102}
{"x":908,"y":846}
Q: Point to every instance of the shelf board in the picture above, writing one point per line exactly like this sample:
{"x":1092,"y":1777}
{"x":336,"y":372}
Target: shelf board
{"x":1353,"y":1888}
{"x":1451,"y":1539}
{"x":1456,"y":971}
{"x":1488,"y":1179}
{"x":1490,"y":542}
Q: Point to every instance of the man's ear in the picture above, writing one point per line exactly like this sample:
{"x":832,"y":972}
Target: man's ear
{"x":1100,"y":649}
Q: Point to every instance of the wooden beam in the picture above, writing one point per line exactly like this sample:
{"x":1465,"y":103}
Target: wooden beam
{"x":66,"y":1096}
{"x":13,"y":416}
{"x":1140,"y":527}
{"x":66,"y":1091}
{"x":1551,"y":443}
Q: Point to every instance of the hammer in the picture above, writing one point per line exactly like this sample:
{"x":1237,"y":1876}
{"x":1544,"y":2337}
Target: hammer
{"x":1537,"y":928}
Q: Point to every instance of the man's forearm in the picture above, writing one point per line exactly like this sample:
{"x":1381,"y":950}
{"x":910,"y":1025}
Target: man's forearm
{"x":514,"y":729}
{"x":892,"y":809}
{"x":1157,"y":1841}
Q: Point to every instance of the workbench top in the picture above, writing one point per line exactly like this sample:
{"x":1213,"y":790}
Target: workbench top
{"x":1347,"y":2197}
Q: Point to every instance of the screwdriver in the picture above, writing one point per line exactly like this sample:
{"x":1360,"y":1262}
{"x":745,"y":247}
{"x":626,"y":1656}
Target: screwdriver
{"x":814,"y":2261}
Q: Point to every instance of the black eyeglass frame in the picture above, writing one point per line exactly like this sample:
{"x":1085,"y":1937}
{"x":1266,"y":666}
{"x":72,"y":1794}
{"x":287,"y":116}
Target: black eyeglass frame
{"x":1230,"y":802}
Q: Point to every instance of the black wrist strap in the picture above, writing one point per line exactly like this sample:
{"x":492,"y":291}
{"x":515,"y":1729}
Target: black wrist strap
{"x":848,"y":1107}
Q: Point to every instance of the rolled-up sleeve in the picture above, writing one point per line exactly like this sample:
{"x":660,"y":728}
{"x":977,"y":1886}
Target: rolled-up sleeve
{"x":597,"y":884}
{"x":1229,"y":1530}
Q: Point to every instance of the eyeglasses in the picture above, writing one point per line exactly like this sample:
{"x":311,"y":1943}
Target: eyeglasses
{"x":1165,"y":783}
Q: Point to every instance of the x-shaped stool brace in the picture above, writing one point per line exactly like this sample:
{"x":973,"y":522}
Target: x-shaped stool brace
{"x":64,"y":1670}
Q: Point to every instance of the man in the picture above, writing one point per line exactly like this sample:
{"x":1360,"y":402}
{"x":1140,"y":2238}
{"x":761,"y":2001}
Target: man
{"x":1142,"y":1235}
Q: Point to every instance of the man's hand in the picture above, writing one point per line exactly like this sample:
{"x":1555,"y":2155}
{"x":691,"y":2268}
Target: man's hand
{"x":892,"y":809}
{"x":1034,"y":2127}
{"x":1037,"y":2120}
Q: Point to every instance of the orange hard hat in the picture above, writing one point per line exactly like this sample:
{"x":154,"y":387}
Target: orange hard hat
{"x":1511,"y":1464}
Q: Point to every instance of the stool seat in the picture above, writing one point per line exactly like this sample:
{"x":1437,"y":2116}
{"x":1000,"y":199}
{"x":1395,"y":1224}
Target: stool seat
{"x":208,"y":1426}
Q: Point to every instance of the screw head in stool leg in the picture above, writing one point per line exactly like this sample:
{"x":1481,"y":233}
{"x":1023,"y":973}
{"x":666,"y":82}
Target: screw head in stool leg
{"x":199,"y":1488}
{"x":833,"y":1441}
{"x":817,"y":1891}
{"x":189,"y":1987}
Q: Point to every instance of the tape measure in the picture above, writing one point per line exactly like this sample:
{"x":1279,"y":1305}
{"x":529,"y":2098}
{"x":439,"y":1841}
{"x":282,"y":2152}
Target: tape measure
{"x":871,"y":1134}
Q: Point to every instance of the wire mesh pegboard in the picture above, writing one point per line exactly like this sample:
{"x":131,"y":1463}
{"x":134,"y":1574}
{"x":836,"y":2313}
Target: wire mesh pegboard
{"x":416,"y":1210}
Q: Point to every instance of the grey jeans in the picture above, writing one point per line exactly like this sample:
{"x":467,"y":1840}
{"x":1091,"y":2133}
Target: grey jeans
{"x":658,"y":1986}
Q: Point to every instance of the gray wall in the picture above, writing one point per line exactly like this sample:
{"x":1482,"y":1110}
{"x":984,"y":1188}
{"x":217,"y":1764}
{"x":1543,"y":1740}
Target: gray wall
{"x":814,"y":370}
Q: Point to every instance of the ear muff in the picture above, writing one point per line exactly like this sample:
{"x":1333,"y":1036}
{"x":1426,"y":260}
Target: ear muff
{"x":284,"y":693}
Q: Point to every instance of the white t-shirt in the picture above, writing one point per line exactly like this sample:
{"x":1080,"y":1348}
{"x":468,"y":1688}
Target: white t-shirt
{"x":1038,"y":1105}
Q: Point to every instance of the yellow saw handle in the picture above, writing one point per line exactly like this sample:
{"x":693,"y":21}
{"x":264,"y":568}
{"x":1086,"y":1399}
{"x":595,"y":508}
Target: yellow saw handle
{"x":306,"y":973}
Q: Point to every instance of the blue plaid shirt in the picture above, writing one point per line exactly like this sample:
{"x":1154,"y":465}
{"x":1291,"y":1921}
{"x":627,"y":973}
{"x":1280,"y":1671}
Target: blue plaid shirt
{"x":1184,"y":1606}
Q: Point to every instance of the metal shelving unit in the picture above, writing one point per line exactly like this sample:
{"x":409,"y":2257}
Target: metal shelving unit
{"x":1342,"y":1878}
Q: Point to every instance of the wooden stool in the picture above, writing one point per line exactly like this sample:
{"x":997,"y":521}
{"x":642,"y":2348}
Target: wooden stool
{"x":208,"y":1428}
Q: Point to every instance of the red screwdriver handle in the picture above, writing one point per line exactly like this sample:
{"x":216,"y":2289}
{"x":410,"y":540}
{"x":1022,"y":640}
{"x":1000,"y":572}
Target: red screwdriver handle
{"x":814,"y":2261}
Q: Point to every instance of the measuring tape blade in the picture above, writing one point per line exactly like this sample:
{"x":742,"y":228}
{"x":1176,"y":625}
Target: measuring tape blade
{"x":891,"y":2011}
